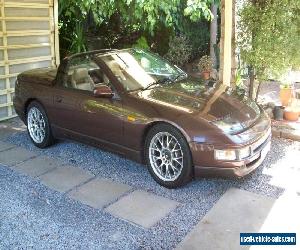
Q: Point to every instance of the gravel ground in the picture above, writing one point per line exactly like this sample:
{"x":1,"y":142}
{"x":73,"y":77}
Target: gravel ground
{"x":34,"y":216}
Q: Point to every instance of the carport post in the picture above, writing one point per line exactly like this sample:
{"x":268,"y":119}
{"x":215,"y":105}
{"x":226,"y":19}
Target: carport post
{"x":226,"y":41}
{"x":226,"y":52}
{"x":56,"y":33}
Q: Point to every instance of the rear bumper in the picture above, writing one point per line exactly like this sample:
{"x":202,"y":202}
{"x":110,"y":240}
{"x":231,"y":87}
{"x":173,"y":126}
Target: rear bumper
{"x":237,"y":168}
{"x":18,"y":105}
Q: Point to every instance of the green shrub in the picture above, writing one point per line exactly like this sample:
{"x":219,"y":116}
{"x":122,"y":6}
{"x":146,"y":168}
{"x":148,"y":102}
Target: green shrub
{"x":198,"y":35}
{"x":141,"y":43}
{"x":160,"y":39}
{"x":180,"y":50}
{"x":78,"y":42}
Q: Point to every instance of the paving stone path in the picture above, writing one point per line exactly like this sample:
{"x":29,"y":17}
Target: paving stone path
{"x":120,"y":200}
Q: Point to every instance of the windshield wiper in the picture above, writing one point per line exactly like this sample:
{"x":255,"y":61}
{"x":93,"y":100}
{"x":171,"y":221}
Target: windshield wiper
{"x":165,"y":80}
{"x":182,"y":74}
{"x":158,"y":82}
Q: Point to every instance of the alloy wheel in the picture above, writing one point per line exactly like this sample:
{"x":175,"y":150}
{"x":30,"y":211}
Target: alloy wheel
{"x":36,"y":125}
{"x":166,"y":156}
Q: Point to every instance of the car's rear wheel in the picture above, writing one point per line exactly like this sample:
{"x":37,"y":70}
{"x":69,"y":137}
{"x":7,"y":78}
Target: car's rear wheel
{"x":38,"y":126}
{"x":168,"y":156}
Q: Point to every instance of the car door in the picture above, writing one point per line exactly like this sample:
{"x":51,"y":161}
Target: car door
{"x":78,"y":112}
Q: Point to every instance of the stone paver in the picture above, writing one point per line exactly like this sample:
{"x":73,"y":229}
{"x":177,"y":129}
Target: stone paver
{"x":15,"y":155}
{"x":236,"y":212}
{"x":37,"y":166}
{"x":65,"y":178}
{"x":98,"y":193}
{"x":5,"y":132}
{"x":5,"y":146}
{"x":142,"y":208}
{"x":10,"y":127}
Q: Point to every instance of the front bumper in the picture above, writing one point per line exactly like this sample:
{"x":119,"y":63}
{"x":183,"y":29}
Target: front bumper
{"x":239,"y":168}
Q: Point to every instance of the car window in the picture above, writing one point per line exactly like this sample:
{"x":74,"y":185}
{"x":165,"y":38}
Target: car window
{"x":84,"y":74}
{"x":137,"y":69}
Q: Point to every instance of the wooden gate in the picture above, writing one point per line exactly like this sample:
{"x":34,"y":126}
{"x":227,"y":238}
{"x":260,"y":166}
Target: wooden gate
{"x":28,"y":39}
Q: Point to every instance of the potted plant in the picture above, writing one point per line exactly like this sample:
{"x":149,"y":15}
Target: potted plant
{"x":286,"y":93}
{"x":291,"y":114}
{"x":205,"y":66}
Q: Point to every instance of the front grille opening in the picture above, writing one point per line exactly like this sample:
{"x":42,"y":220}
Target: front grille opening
{"x":250,"y":164}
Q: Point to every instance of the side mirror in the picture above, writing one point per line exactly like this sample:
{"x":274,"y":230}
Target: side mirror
{"x":103,"y":91}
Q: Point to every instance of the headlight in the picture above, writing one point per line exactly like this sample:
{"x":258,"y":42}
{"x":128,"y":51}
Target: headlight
{"x":244,"y":152}
{"x":229,"y":155}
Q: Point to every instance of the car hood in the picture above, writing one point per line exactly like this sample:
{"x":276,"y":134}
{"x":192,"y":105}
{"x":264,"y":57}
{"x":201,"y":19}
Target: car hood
{"x":219,"y":105}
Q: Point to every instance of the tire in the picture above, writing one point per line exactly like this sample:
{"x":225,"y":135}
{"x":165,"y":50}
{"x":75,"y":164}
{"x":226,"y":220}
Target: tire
{"x":168,"y":156}
{"x":38,"y":126}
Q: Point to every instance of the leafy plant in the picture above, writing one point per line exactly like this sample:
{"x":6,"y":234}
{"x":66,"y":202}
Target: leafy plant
{"x":205,"y":64}
{"x":269,"y":38}
{"x":286,"y":86}
{"x":198,"y":34}
{"x":238,"y":78}
{"x":197,"y":9}
{"x":135,"y":15}
{"x":180,"y":50}
{"x":78,"y":43}
{"x":71,"y":20}
{"x":141,"y":43}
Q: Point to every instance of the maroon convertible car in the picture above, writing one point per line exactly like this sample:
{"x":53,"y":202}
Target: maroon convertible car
{"x":137,"y":104}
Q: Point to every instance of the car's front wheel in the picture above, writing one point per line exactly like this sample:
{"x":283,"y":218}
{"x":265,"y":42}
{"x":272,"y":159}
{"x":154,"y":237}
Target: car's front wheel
{"x":168,"y":156}
{"x":38,"y":125}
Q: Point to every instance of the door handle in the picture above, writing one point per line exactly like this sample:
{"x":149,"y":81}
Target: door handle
{"x":58,"y":99}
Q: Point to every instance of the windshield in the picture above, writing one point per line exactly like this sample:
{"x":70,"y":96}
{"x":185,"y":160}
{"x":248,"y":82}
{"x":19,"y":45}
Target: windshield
{"x":138,"y":69}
